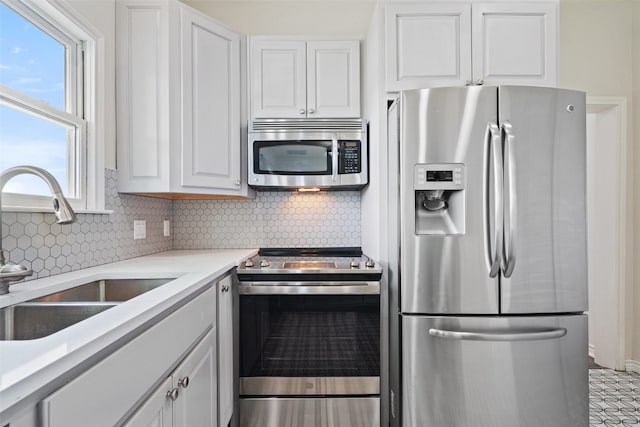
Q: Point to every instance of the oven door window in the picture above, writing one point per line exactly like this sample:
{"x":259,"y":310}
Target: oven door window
{"x":292,"y":157}
{"x":309,"y":336}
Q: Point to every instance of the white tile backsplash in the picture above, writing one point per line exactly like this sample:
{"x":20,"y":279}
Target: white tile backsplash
{"x":36,"y":241}
{"x":272,"y":219}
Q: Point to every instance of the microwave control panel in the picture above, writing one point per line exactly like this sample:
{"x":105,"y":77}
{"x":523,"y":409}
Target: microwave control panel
{"x":349,"y":157}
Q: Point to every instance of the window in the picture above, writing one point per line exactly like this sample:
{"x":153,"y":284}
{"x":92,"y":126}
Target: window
{"x":48,"y":114}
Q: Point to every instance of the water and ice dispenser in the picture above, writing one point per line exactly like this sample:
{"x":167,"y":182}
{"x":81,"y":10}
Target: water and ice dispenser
{"x":439,"y":198}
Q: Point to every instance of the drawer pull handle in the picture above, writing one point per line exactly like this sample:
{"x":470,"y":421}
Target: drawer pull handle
{"x":184,"y":382}
{"x":172,"y":394}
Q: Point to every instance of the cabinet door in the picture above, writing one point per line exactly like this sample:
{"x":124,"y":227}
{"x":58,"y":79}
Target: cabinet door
{"x":278,"y":79}
{"x":333,"y":79}
{"x":225,"y":352}
{"x":196,"y":381}
{"x":156,"y":410}
{"x":515,"y":43}
{"x":210,"y":103}
{"x":142,"y":58}
{"x":427,"y":45}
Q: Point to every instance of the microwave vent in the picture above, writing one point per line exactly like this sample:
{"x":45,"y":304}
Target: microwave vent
{"x":302,"y":124}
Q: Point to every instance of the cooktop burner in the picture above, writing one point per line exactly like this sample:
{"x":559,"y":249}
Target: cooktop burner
{"x":309,"y":264}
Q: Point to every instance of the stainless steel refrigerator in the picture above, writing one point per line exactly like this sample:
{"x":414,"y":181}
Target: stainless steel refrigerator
{"x":488,"y":257}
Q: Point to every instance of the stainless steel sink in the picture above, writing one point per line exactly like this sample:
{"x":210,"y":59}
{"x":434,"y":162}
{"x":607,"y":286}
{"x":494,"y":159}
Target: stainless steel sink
{"x":115,"y":290}
{"x":44,"y":316}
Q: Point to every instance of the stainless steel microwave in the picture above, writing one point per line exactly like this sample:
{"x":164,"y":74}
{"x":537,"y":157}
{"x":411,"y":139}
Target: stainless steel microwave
{"x":319,"y":153}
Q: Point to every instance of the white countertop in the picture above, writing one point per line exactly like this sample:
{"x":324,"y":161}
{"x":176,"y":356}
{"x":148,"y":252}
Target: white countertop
{"x":28,"y":366}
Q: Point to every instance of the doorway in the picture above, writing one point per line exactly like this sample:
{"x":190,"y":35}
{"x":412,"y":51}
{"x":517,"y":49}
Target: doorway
{"x":606,"y":222}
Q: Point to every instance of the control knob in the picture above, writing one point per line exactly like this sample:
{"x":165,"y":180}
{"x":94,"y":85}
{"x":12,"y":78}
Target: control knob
{"x":370,"y":263}
{"x":249,"y":262}
{"x":354,"y":263}
{"x":264,"y":263}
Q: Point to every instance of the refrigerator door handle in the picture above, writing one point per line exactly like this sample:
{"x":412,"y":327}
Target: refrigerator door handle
{"x":544,"y":334}
{"x":509,"y":257}
{"x":494,"y":146}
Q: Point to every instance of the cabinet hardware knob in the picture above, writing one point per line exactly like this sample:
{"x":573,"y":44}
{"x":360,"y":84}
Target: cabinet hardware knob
{"x":236,"y":182}
{"x":225,"y":288}
{"x":172,"y":394}
{"x":183,"y":382}
{"x":311,"y":111}
{"x":480,"y":82}
{"x":468,"y":83}
{"x":301,"y":111}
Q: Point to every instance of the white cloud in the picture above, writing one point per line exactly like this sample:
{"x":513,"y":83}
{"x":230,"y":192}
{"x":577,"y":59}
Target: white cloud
{"x":45,"y":153}
{"x":27,"y":80}
{"x":16,"y":50}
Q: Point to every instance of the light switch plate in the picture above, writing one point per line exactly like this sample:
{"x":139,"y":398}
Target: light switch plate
{"x":139,"y":229}
{"x":167,"y":228}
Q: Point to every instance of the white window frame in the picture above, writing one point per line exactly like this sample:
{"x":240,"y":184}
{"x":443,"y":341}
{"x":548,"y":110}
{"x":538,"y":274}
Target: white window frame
{"x":85,"y":112}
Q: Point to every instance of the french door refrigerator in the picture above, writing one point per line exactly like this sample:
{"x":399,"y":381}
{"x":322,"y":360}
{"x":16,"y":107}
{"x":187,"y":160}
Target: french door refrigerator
{"x":488,"y":257}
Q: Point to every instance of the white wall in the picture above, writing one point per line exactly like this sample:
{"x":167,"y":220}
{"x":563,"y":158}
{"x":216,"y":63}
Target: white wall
{"x":287,"y":17}
{"x":596,"y":56}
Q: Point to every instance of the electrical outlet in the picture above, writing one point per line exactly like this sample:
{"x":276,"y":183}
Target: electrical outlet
{"x":139,"y":229}
{"x":167,"y":228}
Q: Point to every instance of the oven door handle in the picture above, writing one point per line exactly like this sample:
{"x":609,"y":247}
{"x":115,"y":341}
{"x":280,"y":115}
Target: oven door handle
{"x":309,"y":288}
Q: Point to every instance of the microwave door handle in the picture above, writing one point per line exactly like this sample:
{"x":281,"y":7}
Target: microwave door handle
{"x":334,"y":159}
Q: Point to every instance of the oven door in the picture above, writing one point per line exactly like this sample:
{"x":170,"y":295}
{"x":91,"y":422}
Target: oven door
{"x":305,"y":341}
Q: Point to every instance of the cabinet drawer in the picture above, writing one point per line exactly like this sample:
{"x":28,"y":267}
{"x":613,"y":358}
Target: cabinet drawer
{"x":106,"y":392}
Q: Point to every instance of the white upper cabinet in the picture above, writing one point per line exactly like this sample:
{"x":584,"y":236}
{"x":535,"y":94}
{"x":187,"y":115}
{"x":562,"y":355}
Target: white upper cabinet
{"x":210,"y":104}
{"x":305,"y":79}
{"x":448,"y":44}
{"x":427,"y":45}
{"x":278,"y":78}
{"x":515,"y":43}
{"x":178,"y":102}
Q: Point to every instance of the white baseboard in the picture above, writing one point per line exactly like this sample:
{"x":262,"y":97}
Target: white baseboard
{"x":632,"y":366}
{"x":592,"y":351}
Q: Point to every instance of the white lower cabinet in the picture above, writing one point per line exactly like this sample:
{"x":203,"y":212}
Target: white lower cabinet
{"x":156,"y":411}
{"x":180,"y":345}
{"x":188,"y":396}
{"x":225,"y":352}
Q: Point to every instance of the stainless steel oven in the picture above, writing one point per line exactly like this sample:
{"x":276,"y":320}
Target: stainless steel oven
{"x":309,"y":338}
{"x":289,"y":154}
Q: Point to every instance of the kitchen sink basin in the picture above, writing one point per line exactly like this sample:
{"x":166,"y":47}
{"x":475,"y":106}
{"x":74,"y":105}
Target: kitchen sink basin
{"x":112,"y":290}
{"x":29,"y":321}
{"x":44,"y":316}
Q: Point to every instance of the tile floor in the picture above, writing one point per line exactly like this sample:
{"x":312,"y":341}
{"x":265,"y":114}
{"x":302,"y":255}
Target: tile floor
{"x":614,"y":398}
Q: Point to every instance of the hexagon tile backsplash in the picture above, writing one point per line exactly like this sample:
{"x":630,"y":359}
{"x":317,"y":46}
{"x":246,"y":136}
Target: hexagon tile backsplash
{"x":272,"y":219}
{"x":36,"y":241}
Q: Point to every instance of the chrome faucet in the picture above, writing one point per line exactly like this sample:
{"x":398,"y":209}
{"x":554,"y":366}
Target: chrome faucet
{"x":10,"y":272}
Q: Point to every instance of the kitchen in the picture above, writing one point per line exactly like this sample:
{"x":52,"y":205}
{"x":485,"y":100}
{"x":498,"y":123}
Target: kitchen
{"x":324,"y":219}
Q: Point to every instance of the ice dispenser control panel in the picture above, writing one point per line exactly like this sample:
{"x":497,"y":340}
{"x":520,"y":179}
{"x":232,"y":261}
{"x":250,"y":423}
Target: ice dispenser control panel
{"x":442,"y":176}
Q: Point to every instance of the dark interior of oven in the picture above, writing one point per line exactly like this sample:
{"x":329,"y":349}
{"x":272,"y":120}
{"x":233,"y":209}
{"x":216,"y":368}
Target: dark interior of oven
{"x":309,"y":336}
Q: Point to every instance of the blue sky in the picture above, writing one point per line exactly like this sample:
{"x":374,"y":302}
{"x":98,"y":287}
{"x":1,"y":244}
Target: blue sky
{"x":31,"y":62}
